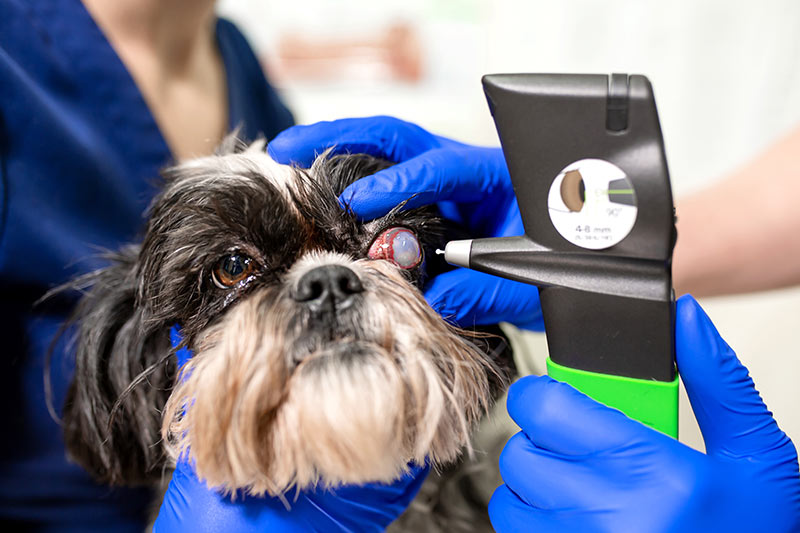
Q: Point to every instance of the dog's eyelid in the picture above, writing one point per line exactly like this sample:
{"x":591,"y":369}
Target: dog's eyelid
{"x":400,"y":208}
{"x":378,"y":226}
{"x":389,"y":220}
{"x":246,"y":249}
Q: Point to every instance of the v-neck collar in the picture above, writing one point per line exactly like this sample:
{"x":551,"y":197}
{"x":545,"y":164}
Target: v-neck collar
{"x":106,"y":80}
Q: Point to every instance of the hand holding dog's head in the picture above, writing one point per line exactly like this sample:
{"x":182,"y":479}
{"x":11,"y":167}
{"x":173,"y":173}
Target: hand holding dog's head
{"x":316,"y":357}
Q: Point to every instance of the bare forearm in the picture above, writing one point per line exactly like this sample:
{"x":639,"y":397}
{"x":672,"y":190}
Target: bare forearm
{"x":743,"y":234}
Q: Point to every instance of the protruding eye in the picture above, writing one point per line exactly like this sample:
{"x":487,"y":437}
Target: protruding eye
{"x":232,"y":269}
{"x":398,"y":245}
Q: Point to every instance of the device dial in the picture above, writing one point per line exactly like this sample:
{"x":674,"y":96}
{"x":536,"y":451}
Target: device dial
{"x":592,"y":204}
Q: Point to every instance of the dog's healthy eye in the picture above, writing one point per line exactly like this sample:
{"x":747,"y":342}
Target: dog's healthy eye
{"x":398,"y":245}
{"x":232,"y":269}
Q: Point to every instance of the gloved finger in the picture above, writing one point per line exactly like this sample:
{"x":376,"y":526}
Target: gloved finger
{"x":548,"y":480}
{"x":385,"y":137}
{"x":189,"y":505}
{"x":470,"y":298}
{"x":557,"y":417}
{"x":509,"y":514}
{"x":729,"y":410}
{"x":369,"y":507}
{"x":183,"y":353}
{"x":373,"y":503}
{"x":468,"y":174}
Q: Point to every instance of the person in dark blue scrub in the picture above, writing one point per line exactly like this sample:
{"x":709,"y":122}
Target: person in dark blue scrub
{"x":95,"y":98}
{"x":80,"y":152}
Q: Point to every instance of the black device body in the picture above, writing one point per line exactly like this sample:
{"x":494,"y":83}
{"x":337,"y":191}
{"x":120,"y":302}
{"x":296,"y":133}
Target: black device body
{"x":610,"y":310}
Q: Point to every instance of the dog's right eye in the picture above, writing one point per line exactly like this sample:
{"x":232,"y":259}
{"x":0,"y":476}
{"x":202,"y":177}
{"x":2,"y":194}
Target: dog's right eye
{"x":231,"y":270}
{"x":399,"y":245}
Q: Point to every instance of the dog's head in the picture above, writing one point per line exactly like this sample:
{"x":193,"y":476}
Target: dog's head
{"x":316,"y":358}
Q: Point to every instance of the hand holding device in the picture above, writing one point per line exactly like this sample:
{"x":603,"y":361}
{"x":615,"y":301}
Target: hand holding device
{"x":470,"y":185}
{"x":587,"y":162}
{"x":580,"y":466}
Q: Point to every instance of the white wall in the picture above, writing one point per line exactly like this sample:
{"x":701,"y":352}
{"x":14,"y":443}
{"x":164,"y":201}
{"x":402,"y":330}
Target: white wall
{"x":727,"y":82}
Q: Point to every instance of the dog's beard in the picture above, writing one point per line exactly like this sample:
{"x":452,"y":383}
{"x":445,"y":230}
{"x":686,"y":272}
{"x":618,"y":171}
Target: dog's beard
{"x":267,"y":404}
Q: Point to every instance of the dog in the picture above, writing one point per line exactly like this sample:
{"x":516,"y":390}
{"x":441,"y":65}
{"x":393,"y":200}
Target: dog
{"x":316,"y":359}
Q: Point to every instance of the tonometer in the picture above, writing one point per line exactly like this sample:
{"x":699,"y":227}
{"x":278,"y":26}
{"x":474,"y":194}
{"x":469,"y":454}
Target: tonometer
{"x":587,"y":164}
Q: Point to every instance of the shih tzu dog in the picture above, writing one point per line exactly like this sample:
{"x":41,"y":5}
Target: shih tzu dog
{"x":317,"y":361}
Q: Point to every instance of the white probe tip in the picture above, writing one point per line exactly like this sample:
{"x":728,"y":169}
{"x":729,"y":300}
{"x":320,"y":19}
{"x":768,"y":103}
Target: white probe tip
{"x":457,"y":252}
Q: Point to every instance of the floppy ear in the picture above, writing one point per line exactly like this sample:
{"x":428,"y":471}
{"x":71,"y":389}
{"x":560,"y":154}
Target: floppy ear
{"x":123,"y":377}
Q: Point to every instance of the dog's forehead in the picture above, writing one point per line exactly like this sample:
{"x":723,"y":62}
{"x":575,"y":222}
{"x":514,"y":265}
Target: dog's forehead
{"x":247,"y":166}
{"x":245,"y":199}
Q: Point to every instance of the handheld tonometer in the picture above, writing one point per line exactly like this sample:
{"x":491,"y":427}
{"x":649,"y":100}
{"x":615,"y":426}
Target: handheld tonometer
{"x":587,"y":163}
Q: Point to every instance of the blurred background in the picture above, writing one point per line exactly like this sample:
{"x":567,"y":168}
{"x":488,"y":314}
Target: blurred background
{"x":726,"y":76}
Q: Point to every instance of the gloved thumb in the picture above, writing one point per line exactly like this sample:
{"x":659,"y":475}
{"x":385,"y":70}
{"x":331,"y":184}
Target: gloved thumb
{"x":470,"y":298}
{"x":558,"y":418}
{"x":732,"y":416}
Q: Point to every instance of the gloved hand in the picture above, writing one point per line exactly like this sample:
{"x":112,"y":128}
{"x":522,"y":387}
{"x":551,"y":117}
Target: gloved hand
{"x":189,"y":505}
{"x":470,"y":184}
{"x":580,"y":466}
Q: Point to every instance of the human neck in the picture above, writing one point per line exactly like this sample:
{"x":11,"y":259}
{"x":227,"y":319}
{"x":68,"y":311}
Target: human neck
{"x":172,"y":30}
{"x":170,"y":50}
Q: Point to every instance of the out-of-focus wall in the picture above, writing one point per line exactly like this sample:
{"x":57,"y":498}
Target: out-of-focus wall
{"x":726,"y":76}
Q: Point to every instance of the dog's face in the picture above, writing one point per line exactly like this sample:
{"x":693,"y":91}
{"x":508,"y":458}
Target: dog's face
{"x":316,"y":358}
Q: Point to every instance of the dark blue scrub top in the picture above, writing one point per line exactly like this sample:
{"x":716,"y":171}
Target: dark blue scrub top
{"x":79,"y":153}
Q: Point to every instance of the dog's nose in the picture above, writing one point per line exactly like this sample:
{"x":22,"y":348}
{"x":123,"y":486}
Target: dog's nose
{"x":328,"y":287}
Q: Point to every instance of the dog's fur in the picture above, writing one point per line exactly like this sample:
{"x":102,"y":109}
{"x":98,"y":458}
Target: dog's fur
{"x":277,"y":395}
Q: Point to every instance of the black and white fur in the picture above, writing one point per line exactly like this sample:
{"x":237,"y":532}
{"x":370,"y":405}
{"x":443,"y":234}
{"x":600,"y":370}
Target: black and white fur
{"x":357,"y":392}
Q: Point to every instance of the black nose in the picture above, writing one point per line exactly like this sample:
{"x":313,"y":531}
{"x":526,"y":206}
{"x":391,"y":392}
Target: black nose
{"x":327,"y":288}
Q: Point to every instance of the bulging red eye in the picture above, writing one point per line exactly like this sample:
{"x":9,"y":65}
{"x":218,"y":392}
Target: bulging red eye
{"x":398,"y":245}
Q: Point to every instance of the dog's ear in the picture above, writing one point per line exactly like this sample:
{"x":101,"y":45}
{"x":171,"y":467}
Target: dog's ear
{"x":123,"y":376}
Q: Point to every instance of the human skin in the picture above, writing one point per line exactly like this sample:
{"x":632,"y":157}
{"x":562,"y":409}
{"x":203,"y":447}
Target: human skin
{"x":741,"y":234}
{"x":169,"y":48}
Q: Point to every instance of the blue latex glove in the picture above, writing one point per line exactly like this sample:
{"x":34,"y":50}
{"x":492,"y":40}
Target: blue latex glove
{"x":470,"y":185}
{"x":580,"y":466}
{"x":189,"y":505}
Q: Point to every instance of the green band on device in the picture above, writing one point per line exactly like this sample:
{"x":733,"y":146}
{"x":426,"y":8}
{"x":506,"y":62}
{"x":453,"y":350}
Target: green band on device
{"x":654,"y":403}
